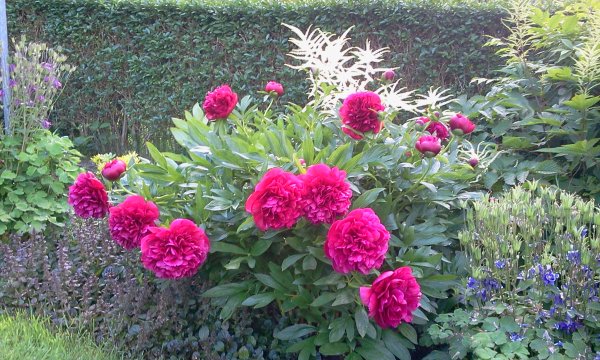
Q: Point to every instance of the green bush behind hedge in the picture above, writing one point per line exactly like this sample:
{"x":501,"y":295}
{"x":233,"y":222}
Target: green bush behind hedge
{"x":139,"y":63}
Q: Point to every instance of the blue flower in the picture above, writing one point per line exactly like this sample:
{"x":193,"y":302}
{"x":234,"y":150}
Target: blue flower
{"x":558,"y":343}
{"x":491,"y":283}
{"x":500,"y":264}
{"x":568,"y":326}
{"x":574,"y":256}
{"x":515,"y":337}
{"x":531,"y":273}
{"x":558,"y":299}
{"x":584,"y":232}
{"x":472,"y":283}
{"x":549,"y":277}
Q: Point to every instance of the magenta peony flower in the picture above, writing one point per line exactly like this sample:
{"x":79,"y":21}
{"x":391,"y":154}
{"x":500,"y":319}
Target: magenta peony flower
{"x":429,"y":145}
{"x":438,"y":130}
{"x":129,"y":221}
{"x":360,"y":112}
{"x":461,"y":125}
{"x":114,"y":169}
{"x":358,"y":242}
{"x":88,"y":196}
{"x":219,"y":103}
{"x":175,"y":252}
{"x":326,"y":193}
{"x":275,"y":87}
{"x":276,"y":200}
{"x":389,"y":75}
{"x":392,"y":297}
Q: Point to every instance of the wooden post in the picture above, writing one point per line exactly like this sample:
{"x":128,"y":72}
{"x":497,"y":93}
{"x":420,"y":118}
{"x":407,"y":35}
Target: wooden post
{"x":5,"y":70}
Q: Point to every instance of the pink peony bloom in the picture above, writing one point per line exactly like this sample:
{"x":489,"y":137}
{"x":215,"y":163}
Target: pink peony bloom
{"x":175,"y":252}
{"x":392,"y":297}
{"x":276,"y":200}
{"x":275,"y":87}
{"x":129,"y":221}
{"x":88,"y":196}
{"x":438,"y":130}
{"x":326,"y":194}
{"x":114,"y":169}
{"x":461,"y":125}
{"x":360,"y":112}
{"x":358,"y":242}
{"x":429,"y":145}
{"x":219,"y":103}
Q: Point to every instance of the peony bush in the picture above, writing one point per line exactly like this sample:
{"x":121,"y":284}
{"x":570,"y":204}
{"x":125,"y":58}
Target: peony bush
{"x":340,"y":219}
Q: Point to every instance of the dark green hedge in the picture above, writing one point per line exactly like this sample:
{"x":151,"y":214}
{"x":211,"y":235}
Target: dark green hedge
{"x":142,"y":62}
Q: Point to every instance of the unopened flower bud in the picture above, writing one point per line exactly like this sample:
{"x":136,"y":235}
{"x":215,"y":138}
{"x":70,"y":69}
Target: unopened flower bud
{"x":474,"y":161}
{"x":389,"y":75}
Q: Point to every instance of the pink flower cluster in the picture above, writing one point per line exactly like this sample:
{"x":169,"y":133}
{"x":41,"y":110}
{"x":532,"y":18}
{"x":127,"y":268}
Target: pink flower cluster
{"x":430,"y":145}
{"x":280,"y":198}
{"x":173,"y":253}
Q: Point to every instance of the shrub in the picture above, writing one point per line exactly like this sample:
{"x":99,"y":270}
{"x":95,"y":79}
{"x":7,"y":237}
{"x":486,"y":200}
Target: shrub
{"x":545,"y":104}
{"x":140,"y":62}
{"x":282,"y":164}
{"x":535,"y":277}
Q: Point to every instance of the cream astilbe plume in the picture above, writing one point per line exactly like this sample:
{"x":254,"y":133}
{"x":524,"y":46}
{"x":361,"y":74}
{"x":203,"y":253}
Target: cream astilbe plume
{"x":336,"y":69}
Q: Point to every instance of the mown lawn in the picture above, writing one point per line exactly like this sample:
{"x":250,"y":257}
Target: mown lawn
{"x":28,"y":338}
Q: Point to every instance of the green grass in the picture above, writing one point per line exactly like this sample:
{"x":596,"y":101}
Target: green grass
{"x":24,"y":337}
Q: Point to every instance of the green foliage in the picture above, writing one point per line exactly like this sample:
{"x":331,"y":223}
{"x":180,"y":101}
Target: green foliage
{"x":544,"y":106}
{"x":534,"y":288}
{"x":139,"y":62}
{"x":25,"y":337}
{"x":34,"y":179}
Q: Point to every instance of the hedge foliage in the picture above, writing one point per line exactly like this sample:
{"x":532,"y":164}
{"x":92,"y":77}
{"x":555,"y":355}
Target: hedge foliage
{"x":140,"y":62}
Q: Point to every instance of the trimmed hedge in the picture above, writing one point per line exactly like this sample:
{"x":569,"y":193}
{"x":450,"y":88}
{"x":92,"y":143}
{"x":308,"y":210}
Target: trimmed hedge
{"x":141,"y":62}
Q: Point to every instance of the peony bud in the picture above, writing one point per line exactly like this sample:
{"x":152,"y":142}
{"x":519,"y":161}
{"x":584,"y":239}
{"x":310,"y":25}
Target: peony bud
{"x":274,"y":87}
{"x":473,"y":161}
{"x":428,"y":145}
{"x":114,"y":169}
{"x":389,"y":75}
{"x":461,"y":125}
{"x":421,"y":122}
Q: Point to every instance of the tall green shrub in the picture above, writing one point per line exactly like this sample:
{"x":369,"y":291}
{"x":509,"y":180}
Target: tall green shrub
{"x":140,"y":61}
